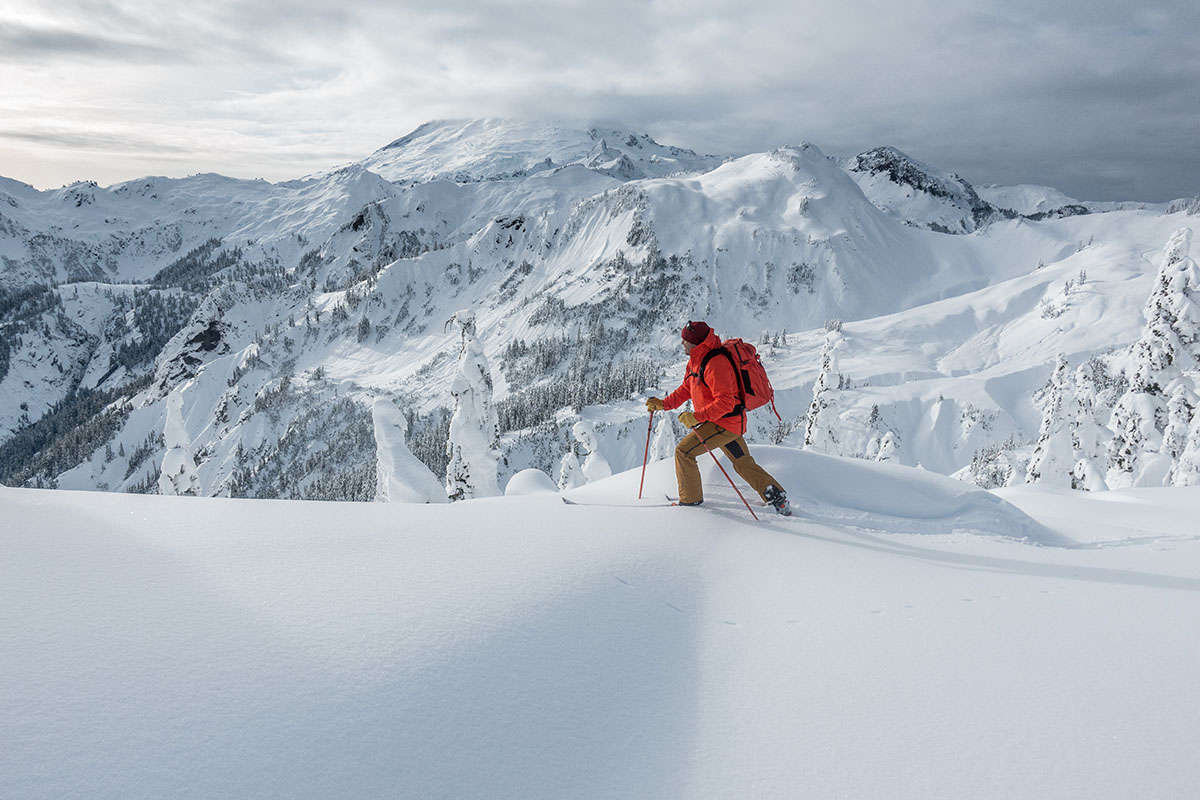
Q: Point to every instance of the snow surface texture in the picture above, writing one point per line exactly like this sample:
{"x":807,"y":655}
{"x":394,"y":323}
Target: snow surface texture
{"x":518,"y":647}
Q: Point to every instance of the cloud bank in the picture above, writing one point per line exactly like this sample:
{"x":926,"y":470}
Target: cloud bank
{"x":1099,"y":100}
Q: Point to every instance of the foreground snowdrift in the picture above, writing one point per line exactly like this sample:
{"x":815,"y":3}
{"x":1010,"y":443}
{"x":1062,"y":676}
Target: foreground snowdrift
{"x":848,"y":492}
{"x":519,"y":647}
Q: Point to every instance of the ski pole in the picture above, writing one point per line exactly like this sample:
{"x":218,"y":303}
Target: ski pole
{"x":704,"y":442}
{"x":646,"y":457}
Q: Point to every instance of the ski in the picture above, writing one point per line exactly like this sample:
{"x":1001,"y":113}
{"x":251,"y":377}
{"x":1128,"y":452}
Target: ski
{"x":675,"y":502}
{"x":645,"y":504}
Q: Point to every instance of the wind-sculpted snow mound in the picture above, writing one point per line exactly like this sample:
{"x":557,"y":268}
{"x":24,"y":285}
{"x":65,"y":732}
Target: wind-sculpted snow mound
{"x":529,"y":481}
{"x":845,"y":492}
{"x":895,"y":498}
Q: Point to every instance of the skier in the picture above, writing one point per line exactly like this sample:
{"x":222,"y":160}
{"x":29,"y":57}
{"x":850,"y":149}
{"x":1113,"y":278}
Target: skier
{"x":718,"y":419}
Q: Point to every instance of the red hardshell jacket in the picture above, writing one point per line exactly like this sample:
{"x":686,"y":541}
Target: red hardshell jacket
{"x":714,"y":397}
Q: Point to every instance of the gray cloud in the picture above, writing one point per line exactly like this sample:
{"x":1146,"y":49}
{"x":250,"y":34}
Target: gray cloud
{"x":95,"y":142}
{"x":22,"y":43}
{"x":1099,"y":99}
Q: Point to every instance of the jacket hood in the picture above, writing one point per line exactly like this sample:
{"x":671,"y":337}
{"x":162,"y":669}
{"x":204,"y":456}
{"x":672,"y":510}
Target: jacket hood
{"x":701,"y":350}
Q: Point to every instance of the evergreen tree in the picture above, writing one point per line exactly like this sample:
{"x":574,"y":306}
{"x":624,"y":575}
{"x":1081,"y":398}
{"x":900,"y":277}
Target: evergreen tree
{"x":1180,"y":412}
{"x":473,"y":442}
{"x":889,"y":449}
{"x":1166,"y":347}
{"x":178,"y":475}
{"x":1187,"y":468}
{"x":595,"y":466}
{"x":570,"y":473}
{"x":663,"y":445}
{"x":1087,"y":436}
{"x":820,"y":432}
{"x":1053,"y":456}
{"x":992,"y":466}
{"x":399,"y":476}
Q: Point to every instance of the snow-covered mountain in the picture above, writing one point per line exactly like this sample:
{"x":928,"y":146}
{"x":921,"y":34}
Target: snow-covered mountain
{"x":1029,"y":201}
{"x":918,"y":194}
{"x":466,"y":151}
{"x":270,"y":327}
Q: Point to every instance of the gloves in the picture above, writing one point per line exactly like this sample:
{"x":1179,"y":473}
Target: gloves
{"x":688,"y":419}
{"x":654,"y":404}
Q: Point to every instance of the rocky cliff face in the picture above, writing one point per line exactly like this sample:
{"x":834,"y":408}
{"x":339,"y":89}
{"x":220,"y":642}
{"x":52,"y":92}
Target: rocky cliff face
{"x":919,"y":194}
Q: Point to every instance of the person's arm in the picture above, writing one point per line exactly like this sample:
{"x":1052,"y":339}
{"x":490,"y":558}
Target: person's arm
{"x":678,"y":397}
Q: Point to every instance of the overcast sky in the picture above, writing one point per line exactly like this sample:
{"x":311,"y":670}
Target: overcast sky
{"x":1100,"y":99}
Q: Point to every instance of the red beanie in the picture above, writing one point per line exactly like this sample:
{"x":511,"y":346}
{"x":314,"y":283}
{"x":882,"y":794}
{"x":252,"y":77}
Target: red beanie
{"x":696,"y":332}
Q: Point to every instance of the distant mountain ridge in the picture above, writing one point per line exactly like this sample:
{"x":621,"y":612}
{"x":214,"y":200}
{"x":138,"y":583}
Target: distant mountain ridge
{"x":490,"y":149}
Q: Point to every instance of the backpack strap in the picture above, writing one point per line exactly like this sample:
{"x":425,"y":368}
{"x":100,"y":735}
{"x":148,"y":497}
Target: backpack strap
{"x":740,"y":408}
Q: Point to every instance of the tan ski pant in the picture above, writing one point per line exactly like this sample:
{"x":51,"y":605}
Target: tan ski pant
{"x":692,"y":446}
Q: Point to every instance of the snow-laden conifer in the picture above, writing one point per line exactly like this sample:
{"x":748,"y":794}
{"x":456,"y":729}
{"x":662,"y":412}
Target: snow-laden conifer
{"x":1053,"y":456}
{"x":1135,"y":452}
{"x":1187,"y":467}
{"x":595,"y":465}
{"x":473,"y":441}
{"x":1181,"y":407}
{"x":178,"y":474}
{"x":400,"y":477}
{"x":1185,"y":283}
{"x":663,"y":444}
{"x":889,"y":448}
{"x":820,"y":428}
{"x":1137,"y":455}
{"x":570,"y":472}
{"x":1088,"y":437}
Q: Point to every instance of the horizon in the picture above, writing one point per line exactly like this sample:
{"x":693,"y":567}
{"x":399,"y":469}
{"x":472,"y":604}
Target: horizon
{"x":580,"y":124}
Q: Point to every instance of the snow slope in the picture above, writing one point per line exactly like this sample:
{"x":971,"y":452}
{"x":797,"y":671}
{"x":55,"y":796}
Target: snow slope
{"x":912,"y":638}
{"x":130,"y":231}
{"x":1025,"y":199}
{"x":952,"y":376}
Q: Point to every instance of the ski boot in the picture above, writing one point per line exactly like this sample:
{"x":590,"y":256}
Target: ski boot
{"x":778,"y":498}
